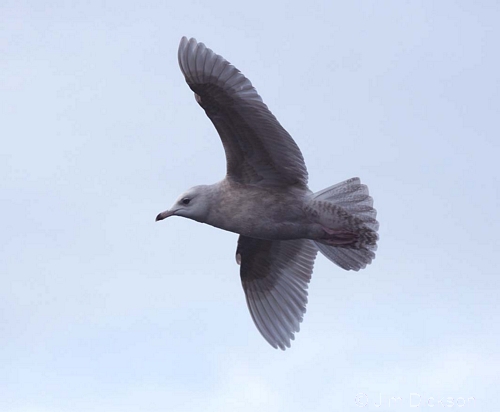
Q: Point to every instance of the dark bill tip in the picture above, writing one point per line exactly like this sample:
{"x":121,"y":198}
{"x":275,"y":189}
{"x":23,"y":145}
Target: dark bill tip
{"x":164,"y":215}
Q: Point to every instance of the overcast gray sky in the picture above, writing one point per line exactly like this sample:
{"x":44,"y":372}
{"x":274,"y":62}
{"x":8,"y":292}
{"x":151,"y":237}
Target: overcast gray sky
{"x":102,"y":309}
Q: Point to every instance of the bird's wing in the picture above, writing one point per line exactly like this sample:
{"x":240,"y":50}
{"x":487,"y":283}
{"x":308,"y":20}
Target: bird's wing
{"x":258,"y":149}
{"x":275,"y":275}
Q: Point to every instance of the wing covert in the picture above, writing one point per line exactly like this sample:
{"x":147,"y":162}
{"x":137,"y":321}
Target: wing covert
{"x":275,"y":276}
{"x":258,"y":149}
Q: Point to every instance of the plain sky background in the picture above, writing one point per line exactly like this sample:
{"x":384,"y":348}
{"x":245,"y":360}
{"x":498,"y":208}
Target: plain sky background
{"x":102,"y":309}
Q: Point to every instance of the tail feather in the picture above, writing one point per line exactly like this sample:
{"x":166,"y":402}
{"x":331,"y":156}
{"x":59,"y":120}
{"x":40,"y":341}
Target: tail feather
{"x":352,"y":197}
{"x":348,"y":259}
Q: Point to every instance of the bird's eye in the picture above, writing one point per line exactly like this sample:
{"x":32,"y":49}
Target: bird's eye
{"x":185,"y":201}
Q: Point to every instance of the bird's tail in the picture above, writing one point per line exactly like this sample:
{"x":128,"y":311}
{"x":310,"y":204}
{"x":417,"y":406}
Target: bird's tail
{"x":346,"y":213}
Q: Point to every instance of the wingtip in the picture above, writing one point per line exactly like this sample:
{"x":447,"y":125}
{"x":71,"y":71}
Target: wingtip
{"x":182,"y":44}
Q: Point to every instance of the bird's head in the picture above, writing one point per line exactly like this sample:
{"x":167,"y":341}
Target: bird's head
{"x":193,"y":204}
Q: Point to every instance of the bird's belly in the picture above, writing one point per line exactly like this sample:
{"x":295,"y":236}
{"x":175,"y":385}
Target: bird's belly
{"x":261,"y":213}
{"x":264,"y":226}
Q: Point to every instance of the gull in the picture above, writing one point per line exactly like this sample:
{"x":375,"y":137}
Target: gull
{"x":265,"y":199}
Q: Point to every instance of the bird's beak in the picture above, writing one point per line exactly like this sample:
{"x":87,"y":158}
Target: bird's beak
{"x":165,"y":214}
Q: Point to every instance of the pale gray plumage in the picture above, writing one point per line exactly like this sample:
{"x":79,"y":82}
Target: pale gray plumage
{"x":264,"y":197}
{"x":256,"y":145}
{"x":275,"y":275}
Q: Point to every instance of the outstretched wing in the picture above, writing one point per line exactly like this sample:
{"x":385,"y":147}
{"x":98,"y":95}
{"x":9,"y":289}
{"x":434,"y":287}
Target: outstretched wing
{"x":275,"y":275}
{"x":258,"y":149}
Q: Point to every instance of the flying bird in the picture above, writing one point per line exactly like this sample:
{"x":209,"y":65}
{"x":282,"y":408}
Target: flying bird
{"x":264,"y":198}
